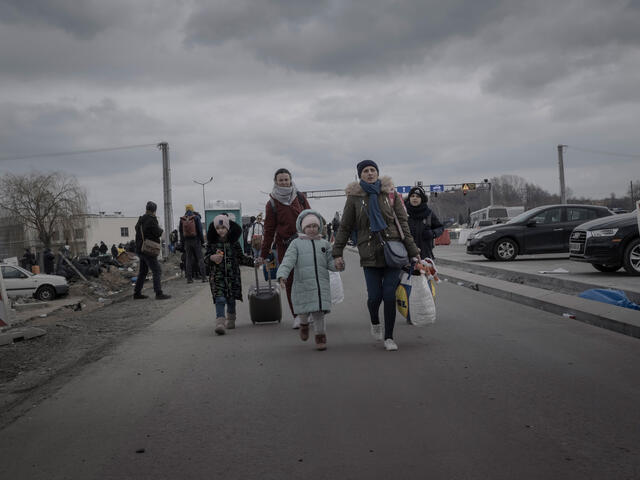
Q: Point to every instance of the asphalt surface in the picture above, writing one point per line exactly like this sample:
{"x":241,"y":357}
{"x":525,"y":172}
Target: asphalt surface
{"x":578,"y":272}
{"x":493,"y":390}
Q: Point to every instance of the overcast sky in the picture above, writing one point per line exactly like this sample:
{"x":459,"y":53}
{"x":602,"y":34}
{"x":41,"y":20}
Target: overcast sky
{"x":439,"y":91}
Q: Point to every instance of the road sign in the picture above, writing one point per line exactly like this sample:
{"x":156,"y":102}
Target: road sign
{"x":436,"y":188}
{"x":403,"y":189}
{"x":468,"y":186}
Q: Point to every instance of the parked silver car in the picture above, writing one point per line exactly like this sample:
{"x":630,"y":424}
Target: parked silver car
{"x":19,"y":281}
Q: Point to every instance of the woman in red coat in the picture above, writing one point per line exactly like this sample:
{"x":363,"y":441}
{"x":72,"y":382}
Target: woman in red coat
{"x":282,"y":210}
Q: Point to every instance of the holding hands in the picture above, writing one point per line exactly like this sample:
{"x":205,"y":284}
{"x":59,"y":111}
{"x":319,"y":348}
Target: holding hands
{"x":339,"y":262}
{"x":283,"y":283}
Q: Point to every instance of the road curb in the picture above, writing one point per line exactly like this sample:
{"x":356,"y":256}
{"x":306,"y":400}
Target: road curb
{"x":546,"y":282}
{"x":611,"y":317}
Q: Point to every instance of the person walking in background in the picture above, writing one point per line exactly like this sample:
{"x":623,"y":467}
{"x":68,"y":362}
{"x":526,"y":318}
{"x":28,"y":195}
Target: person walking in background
{"x":255,"y":234}
{"x":147,"y":228}
{"x":190,"y":230}
{"x":371,"y":209}
{"x":173,"y":240}
{"x":224,"y":256}
{"x":423,"y":223}
{"x":114,"y":251}
{"x":309,"y":258}
{"x":48,"y":258}
{"x":103,"y":248}
{"x":282,"y":210}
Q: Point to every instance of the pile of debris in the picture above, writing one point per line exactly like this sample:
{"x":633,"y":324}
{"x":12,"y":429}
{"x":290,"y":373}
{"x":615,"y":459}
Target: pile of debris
{"x":115,"y":276}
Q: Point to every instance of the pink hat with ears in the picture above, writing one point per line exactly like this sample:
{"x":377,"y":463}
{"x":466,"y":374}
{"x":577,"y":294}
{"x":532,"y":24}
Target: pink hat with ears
{"x":221,"y":220}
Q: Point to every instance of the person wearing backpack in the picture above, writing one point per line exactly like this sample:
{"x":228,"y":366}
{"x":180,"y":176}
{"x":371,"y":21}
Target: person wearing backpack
{"x":282,"y":210}
{"x":423,"y":223}
{"x":192,"y":239}
{"x":375,"y":212}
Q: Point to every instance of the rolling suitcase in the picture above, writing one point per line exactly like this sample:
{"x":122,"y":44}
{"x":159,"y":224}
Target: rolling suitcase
{"x":264,"y":302}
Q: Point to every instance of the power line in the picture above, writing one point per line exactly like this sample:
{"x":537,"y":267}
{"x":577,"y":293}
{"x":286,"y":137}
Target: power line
{"x":75,"y":152}
{"x":602,"y":152}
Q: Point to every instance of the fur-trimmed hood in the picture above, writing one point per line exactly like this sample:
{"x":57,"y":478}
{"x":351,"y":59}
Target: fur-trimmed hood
{"x":306,"y":212}
{"x":354,"y":188}
{"x":235,"y":232}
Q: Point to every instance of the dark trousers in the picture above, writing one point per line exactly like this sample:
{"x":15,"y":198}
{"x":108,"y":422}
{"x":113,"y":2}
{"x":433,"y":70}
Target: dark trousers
{"x":381,"y":287}
{"x":147,"y":263}
{"x":193,"y":254}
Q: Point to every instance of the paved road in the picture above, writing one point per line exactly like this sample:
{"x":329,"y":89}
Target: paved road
{"x":493,"y":391}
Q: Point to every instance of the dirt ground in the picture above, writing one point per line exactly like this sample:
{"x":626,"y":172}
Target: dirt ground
{"x":32,"y":370}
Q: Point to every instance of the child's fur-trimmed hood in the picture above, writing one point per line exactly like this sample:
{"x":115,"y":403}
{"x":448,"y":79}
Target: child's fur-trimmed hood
{"x":235,"y":232}
{"x":354,"y":188}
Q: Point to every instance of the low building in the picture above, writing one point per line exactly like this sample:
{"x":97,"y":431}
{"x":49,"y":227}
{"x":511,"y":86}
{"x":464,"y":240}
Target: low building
{"x":109,"y":228}
{"x":86,"y":231}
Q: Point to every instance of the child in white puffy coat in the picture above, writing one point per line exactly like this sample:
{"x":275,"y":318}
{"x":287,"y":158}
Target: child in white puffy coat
{"x":309,"y":256}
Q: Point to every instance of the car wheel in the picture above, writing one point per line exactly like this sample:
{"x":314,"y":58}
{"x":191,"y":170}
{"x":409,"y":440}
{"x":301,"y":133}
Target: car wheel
{"x":505,"y":250}
{"x":606,"y":268}
{"x":631,"y":257}
{"x":489,"y":257}
{"x":45,"y":293}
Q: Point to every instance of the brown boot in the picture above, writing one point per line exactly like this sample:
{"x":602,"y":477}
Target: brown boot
{"x":321,"y":342}
{"x":220,"y":326}
{"x":304,"y":332}
{"x":231,"y":321}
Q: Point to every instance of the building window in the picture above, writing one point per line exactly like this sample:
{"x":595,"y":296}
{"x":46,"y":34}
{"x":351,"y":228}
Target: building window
{"x":124,"y":231}
{"x":78,"y":234}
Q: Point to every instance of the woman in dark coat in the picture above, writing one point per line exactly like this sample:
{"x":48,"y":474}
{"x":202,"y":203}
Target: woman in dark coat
{"x":282,"y":210}
{"x":424,"y":224}
{"x":371,"y":210}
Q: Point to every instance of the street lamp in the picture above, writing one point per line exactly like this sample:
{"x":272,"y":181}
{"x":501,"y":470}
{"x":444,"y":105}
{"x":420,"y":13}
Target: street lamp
{"x":204,"y":205}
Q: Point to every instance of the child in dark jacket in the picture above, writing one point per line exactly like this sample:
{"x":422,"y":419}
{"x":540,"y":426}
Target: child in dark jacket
{"x":224,"y":256}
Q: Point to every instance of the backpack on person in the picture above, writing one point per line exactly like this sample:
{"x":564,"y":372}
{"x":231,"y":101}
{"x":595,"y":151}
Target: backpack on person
{"x":189,"y":226}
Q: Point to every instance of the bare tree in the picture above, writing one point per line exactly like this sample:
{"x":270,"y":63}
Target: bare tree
{"x":45,"y":202}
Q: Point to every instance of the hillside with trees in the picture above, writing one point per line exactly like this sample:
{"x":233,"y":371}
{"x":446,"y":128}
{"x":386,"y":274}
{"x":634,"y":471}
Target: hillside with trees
{"x":513,"y":190}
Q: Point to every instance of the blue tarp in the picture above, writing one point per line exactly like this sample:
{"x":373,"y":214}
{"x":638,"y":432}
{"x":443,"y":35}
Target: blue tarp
{"x":612,"y":297}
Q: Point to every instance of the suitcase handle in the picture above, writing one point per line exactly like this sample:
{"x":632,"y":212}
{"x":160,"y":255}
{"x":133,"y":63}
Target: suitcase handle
{"x":255,"y":270}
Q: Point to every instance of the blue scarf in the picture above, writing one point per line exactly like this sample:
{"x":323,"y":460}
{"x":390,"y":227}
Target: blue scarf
{"x":376,"y":220}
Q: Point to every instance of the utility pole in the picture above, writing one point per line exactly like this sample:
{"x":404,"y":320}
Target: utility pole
{"x":168,"y":204}
{"x":563,"y":195}
{"x":633,"y":200}
{"x":204,"y":205}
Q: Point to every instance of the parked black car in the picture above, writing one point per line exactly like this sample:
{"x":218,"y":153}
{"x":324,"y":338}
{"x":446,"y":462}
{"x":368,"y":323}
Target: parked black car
{"x":608,"y":243}
{"x":539,"y":230}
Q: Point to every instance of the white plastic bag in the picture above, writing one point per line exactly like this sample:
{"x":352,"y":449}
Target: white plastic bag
{"x":422,"y":308}
{"x":337,"y":292}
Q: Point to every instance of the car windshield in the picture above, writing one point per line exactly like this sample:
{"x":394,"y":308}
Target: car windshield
{"x":525,"y":215}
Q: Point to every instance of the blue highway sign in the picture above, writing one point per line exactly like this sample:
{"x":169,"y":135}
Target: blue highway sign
{"x":436,"y":188}
{"x":403,"y":189}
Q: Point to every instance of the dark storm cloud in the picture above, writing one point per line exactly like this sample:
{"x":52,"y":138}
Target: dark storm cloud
{"x":34,"y":129}
{"x":83,"y":19}
{"x":521,"y":47}
{"x":341,"y":37}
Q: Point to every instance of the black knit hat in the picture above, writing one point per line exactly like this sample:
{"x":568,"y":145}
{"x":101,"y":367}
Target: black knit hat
{"x":366,"y":163}
{"x":151,"y":206}
{"x":420,"y":191}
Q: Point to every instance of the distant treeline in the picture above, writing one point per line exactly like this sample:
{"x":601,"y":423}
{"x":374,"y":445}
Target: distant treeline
{"x":512,"y":190}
